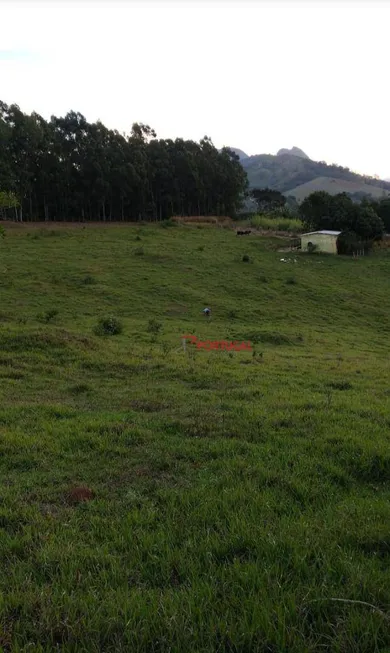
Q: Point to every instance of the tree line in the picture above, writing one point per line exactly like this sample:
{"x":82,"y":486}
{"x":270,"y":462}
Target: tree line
{"x":69,"y":169}
{"x":360,"y":224}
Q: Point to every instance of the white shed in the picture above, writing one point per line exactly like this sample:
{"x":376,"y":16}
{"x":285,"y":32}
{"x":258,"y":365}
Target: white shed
{"x":320,"y":241}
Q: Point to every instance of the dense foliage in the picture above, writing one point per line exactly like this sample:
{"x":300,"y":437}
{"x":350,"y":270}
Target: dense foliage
{"x":321,"y":210}
{"x":69,"y":169}
{"x":268,"y":200}
{"x":382,"y":209}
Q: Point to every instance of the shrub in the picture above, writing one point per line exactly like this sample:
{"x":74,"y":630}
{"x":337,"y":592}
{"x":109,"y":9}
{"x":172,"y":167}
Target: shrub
{"x":349,"y":243}
{"x":256,"y":355}
{"x":48,"y":316}
{"x":291,"y":281}
{"x":245,"y":258}
{"x":88,"y":280}
{"x":108,"y":326}
{"x":168,"y":223}
{"x":340,"y":385}
{"x":79,"y":388}
{"x":2,"y":231}
{"x":154,"y":326}
{"x":165,"y":347}
{"x":139,"y":251}
{"x":200,"y":248}
{"x":138,"y":238}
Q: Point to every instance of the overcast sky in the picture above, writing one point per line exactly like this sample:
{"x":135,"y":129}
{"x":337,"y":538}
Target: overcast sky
{"x":254,"y":75}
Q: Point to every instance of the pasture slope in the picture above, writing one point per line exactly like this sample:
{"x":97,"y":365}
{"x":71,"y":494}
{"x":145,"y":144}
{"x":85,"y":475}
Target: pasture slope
{"x":232,"y":496}
{"x":335,"y":186}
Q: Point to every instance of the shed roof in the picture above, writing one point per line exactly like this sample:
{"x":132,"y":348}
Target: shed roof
{"x":325,"y":232}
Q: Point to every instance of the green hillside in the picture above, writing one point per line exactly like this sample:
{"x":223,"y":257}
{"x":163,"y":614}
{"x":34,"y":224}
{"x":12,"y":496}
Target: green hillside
{"x":238,"y":501}
{"x":335,"y":186}
{"x":285,"y":172}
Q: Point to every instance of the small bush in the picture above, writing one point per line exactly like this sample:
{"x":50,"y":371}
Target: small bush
{"x":2,"y":232}
{"x":256,"y":355}
{"x":263,"y":279}
{"x":200,"y":248}
{"x":79,"y":389}
{"x":168,"y":223}
{"x":166,"y":348}
{"x":138,"y":238}
{"x":109,"y":326}
{"x":154,"y":326}
{"x":291,"y":281}
{"x":245,"y":258}
{"x":88,"y":280}
{"x":48,"y":316}
{"x":139,"y":251}
{"x":232,"y":315}
{"x":340,"y":385}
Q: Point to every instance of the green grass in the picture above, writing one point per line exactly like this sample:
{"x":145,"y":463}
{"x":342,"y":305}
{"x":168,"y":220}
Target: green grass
{"x":275,"y":223}
{"x":235,"y":495}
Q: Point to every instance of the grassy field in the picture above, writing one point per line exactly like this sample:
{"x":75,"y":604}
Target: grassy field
{"x":238,"y":502}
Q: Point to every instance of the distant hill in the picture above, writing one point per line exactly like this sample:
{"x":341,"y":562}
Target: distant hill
{"x":295,"y":151}
{"x":334,"y":186}
{"x":286,"y":172}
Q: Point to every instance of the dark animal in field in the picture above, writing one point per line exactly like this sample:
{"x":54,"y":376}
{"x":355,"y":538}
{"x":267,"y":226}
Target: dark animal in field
{"x":243,"y":233}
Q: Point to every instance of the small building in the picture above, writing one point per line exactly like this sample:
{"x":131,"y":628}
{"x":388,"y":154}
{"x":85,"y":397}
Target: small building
{"x":320,"y":241}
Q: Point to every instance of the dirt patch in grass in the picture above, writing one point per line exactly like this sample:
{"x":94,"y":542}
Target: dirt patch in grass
{"x":79,"y":494}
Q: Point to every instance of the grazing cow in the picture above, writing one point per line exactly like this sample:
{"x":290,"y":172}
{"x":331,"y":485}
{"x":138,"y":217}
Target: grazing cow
{"x":243,"y":233}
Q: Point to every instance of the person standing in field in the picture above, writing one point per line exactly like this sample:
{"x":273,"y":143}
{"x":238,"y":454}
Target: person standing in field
{"x":206,"y":312}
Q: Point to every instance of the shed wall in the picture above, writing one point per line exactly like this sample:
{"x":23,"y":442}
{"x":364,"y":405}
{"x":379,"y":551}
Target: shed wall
{"x":324,"y":242}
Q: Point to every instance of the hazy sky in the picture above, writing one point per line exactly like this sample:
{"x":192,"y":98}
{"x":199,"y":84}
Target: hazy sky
{"x":254,"y":75}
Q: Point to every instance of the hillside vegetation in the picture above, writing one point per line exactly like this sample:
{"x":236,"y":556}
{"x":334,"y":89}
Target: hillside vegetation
{"x":233,"y":501}
{"x":334,"y":186}
{"x":285,"y":172}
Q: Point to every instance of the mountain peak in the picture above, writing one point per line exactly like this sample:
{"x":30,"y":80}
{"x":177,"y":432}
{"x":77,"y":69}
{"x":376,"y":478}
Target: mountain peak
{"x":295,"y":151}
